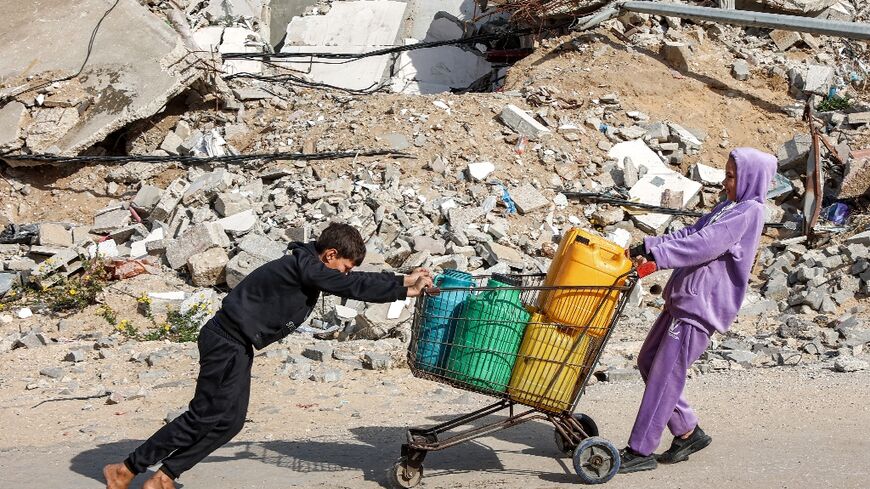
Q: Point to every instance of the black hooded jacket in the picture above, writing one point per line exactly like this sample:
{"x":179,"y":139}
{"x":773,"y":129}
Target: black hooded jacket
{"x":273,"y":300}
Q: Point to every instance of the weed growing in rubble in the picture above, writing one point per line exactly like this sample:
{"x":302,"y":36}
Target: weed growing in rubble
{"x":834,"y":103}
{"x":73,"y":293}
{"x":108,"y":314}
{"x":179,"y":327}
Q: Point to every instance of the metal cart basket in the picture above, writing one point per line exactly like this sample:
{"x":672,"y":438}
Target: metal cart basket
{"x":493,"y":335}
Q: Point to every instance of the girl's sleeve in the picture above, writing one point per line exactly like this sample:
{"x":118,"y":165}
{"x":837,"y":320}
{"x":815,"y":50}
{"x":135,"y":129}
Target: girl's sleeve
{"x":651,"y":241}
{"x":705,"y":244}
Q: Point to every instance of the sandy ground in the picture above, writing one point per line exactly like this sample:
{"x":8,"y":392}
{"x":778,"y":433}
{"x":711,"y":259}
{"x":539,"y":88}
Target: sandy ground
{"x":785,"y":427}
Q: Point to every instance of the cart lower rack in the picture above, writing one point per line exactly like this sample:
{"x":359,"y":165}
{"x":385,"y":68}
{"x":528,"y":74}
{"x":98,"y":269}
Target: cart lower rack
{"x":495,"y":336}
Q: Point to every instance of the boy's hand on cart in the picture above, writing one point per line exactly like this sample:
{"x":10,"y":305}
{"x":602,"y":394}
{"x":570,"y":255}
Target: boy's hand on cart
{"x":412,"y":277}
{"x":639,"y":260}
{"x":422,"y":283}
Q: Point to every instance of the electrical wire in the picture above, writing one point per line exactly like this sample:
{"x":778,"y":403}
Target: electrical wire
{"x":81,"y":68}
{"x":263,"y":157}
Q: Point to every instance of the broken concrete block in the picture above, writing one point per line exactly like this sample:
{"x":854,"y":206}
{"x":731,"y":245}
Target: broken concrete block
{"x":51,"y":234}
{"x":527,"y":198}
{"x":377,"y":361}
{"x":76,"y":356}
{"x":231,"y":203}
{"x":432,"y":245}
{"x":262,"y":247}
{"x":479,"y":171}
{"x":495,"y":253}
{"x":206,"y":187}
{"x":784,"y":39}
{"x":801,"y":7}
{"x":197,"y":239}
{"x":858,"y":118}
{"x":246,"y":94}
{"x":707,"y":174}
{"x":171,"y":144}
{"x":856,"y":179}
{"x":169,"y":200}
{"x":793,"y":153}
{"x":522,"y":123}
{"x":649,"y":190}
{"x":109,"y":221}
{"x":146,"y":198}
{"x":7,"y":281}
{"x":641,"y":156}
{"x":239,"y":223}
{"x":10,"y":125}
{"x":740,"y":70}
{"x":207,"y":268}
{"x":30,"y":341}
{"x":677,"y":55}
{"x":818,"y":79}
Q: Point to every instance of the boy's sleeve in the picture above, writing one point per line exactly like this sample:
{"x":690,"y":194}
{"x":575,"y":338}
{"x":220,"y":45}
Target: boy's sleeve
{"x":363,"y":286}
{"x":704,"y":245}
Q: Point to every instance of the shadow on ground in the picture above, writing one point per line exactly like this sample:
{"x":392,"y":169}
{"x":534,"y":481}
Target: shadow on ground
{"x":372,"y":450}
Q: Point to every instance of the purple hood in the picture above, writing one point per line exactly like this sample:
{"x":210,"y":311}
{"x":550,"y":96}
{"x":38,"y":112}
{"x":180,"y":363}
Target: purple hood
{"x":712,"y":259}
{"x":755,"y":170}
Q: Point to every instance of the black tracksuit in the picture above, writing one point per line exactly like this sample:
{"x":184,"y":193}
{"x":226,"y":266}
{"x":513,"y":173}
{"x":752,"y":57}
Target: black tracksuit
{"x":266,"y":306}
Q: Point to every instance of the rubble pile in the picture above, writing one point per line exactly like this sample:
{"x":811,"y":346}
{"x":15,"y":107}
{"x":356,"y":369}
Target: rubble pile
{"x":485,"y":184}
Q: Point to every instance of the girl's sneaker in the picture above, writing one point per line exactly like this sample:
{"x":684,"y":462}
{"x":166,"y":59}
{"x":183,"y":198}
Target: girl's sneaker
{"x":681,"y":449}
{"x":634,"y":462}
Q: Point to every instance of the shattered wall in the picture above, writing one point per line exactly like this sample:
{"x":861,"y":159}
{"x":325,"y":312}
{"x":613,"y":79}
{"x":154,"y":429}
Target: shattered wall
{"x":137,"y":63}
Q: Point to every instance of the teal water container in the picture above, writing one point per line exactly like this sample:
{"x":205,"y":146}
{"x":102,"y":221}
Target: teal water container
{"x":440,"y":314}
{"x":488,"y":335}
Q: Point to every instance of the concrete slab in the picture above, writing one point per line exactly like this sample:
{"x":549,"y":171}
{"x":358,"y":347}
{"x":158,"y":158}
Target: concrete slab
{"x":49,"y":39}
{"x":282,"y":11}
{"x":422,"y":14}
{"x":241,"y":40}
{"x":233,"y":9}
{"x":10,"y":125}
{"x":360,"y":74}
{"x":649,"y":189}
{"x":437,"y":70}
{"x":641,"y":155}
{"x":348,"y":27}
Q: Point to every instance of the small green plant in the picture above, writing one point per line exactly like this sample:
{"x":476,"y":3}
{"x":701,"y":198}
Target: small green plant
{"x":126,"y":328}
{"x":834,"y":102}
{"x":108,"y":314}
{"x":73,"y":293}
{"x":179,"y":327}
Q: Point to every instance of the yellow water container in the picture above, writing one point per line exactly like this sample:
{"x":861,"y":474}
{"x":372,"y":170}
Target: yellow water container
{"x":556,"y":263}
{"x":545,"y":347}
{"x":585,"y":260}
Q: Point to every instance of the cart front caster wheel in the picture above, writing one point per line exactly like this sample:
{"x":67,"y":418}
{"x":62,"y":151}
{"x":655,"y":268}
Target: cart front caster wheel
{"x":596,"y":460}
{"x":589,"y":427}
{"x":402,"y":475}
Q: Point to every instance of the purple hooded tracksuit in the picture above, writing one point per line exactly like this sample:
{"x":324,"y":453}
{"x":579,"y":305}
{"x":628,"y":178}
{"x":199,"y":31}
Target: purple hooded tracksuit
{"x":712,"y":262}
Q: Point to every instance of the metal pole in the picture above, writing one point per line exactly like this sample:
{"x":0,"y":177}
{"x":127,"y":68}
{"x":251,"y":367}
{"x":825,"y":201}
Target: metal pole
{"x":852,"y":30}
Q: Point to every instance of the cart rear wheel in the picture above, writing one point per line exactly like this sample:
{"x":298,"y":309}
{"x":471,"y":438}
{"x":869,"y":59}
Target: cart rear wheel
{"x":402,"y":475}
{"x":589,"y":427}
{"x":596,"y":460}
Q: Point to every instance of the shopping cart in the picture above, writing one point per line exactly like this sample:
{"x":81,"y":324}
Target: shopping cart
{"x":493,"y":336}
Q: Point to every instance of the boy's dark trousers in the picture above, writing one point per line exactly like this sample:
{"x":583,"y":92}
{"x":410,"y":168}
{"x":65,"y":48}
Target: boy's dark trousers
{"x":215,"y":414}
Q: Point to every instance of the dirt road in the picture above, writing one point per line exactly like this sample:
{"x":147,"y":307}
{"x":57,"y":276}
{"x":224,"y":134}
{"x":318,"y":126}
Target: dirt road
{"x":791,"y":428}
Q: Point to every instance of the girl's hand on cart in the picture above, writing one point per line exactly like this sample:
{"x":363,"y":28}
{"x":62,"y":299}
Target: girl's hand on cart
{"x":420,"y":285}
{"x":412,"y":277}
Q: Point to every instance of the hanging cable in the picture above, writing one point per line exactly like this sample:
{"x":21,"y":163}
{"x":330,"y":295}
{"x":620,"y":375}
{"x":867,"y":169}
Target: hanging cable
{"x":262,"y":157}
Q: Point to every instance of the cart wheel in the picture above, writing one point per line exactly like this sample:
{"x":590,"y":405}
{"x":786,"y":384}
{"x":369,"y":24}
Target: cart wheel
{"x":589,"y":427}
{"x":596,"y":460}
{"x":402,"y":475}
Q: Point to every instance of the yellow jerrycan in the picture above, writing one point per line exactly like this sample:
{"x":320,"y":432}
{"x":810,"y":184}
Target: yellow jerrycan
{"x":584,"y":259}
{"x":539,"y":378}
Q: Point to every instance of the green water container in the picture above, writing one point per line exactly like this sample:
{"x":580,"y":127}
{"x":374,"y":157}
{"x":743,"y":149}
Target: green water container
{"x":488,"y":336}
